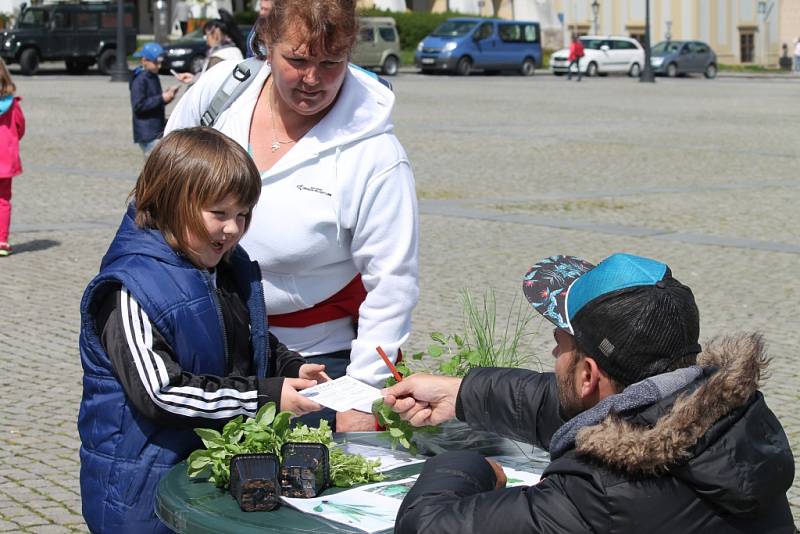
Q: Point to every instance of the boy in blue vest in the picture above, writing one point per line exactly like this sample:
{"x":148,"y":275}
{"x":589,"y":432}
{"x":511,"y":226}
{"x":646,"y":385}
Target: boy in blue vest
{"x":174,"y":330}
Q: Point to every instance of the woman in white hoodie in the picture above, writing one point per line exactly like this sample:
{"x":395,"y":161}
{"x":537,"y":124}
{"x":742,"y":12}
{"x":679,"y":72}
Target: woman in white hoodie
{"x":336,"y":228}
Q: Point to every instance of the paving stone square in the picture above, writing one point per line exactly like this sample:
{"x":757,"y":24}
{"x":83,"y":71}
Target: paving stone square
{"x":700,"y":174}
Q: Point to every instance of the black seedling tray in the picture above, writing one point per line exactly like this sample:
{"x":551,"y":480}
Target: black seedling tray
{"x":305,"y":471}
{"x":254,"y":481}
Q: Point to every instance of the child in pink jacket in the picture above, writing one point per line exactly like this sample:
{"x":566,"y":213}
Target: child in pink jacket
{"x":12,"y":128}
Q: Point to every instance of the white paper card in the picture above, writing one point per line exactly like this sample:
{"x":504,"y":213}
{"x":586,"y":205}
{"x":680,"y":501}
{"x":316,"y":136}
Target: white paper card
{"x":371,"y":508}
{"x":342,"y":394}
{"x":520,"y":478}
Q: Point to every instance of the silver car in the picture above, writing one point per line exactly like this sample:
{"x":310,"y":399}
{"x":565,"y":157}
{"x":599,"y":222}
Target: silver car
{"x":675,"y":58}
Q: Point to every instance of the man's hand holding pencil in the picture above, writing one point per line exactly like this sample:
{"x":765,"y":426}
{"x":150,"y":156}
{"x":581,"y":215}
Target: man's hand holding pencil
{"x":423,"y":399}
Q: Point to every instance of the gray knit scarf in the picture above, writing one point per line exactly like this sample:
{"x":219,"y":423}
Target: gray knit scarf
{"x":635,"y":397}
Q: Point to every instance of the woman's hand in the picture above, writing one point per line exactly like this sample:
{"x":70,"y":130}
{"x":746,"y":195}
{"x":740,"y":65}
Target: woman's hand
{"x":292,"y":401}
{"x":354,"y":421}
{"x":184,"y":77}
{"x":314,"y":371}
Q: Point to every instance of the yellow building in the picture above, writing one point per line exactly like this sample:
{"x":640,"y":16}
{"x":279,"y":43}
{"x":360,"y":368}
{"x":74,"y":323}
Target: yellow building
{"x":739,"y":31}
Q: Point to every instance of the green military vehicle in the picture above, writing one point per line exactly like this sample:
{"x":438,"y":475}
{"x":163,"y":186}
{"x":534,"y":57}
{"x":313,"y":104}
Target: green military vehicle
{"x":80,"y":34}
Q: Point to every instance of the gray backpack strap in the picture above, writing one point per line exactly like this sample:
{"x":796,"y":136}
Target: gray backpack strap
{"x":235,"y":84}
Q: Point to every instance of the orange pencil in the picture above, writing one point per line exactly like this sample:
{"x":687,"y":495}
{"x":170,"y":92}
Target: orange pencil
{"x":389,"y":364}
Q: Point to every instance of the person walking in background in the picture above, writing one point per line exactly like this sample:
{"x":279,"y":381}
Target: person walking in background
{"x":12,"y":128}
{"x":148,"y":100}
{"x":797,"y":55}
{"x":182,"y":15}
{"x":575,"y":55}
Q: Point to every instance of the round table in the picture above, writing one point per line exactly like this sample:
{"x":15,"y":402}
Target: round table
{"x":195,"y":506}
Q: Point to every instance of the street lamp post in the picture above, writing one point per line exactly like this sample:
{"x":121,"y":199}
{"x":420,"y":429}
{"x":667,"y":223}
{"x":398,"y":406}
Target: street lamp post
{"x":647,"y":74}
{"x":120,"y":71}
{"x":595,"y":9}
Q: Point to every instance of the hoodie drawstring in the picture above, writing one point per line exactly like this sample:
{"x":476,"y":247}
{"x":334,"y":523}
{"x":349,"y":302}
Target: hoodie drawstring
{"x":335,"y":195}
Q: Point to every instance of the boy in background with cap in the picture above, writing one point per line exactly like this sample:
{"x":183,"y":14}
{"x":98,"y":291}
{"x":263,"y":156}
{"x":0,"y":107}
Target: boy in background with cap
{"x":646,"y":432}
{"x":148,"y":101}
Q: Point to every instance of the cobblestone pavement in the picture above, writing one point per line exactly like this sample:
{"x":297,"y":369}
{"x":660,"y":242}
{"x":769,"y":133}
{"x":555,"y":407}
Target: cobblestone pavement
{"x":700,"y":174}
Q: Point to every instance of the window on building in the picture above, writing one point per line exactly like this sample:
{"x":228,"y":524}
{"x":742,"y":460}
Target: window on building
{"x":747,"y":47}
{"x":638,"y":36}
{"x":581,"y":30}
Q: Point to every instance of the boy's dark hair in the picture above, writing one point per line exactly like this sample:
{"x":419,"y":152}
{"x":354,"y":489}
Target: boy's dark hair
{"x":187,"y":171}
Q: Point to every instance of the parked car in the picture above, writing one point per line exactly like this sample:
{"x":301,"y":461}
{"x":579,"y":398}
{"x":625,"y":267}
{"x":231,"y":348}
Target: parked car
{"x":602,"y":55}
{"x":378,"y":45}
{"x":80,"y":34}
{"x":188,"y":54}
{"x":675,"y":58}
{"x":462,"y":44}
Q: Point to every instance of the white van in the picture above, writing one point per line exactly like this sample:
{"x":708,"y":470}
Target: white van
{"x":603,"y":54}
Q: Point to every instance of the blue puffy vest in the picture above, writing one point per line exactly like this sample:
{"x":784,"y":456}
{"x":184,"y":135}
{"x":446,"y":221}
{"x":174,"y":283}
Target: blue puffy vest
{"x":123,"y":454}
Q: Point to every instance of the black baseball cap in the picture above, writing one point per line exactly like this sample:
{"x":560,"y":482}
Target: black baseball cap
{"x":628,"y":312}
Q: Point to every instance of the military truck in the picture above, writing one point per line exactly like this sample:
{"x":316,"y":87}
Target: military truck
{"x":80,"y":34}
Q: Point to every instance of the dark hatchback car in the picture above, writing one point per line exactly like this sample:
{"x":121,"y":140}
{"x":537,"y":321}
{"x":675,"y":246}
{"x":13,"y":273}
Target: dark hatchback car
{"x":188,"y":54}
{"x":675,"y":58}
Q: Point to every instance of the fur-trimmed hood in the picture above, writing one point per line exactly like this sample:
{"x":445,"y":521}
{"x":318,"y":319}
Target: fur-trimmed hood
{"x":716,"y":435}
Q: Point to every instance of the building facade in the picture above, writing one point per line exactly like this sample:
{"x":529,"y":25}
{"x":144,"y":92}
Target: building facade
{"x":739,"y":31}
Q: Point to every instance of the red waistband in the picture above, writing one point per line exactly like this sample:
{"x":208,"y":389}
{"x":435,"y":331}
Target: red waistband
{"x":344,"y":303}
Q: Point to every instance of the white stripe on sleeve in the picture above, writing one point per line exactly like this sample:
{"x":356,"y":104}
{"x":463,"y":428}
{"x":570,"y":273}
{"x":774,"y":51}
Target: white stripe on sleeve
{"x":188,"y":401}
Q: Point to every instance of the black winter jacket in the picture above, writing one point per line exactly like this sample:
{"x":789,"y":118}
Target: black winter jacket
{"x":712,"y":458}
{"x":147,"y":105}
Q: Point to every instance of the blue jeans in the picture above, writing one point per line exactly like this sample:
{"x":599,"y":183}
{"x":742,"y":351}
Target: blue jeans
{"x":577,"y":67}
{"x":148,"y":146}
{"x":335,"y":366}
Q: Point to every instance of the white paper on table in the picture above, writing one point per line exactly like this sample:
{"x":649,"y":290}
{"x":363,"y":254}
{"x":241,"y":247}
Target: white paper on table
{"x":520,"y":478}
{"x":371,"y":508}
{"x":389,"y":459}
{"x":342,"y":394}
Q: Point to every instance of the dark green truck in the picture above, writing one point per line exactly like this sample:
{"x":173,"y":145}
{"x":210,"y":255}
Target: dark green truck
{"x":80,"y":34}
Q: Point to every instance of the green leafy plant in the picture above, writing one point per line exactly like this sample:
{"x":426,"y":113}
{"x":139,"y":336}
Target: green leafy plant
{"x":484,"y":343}
{"x":267,"y":432}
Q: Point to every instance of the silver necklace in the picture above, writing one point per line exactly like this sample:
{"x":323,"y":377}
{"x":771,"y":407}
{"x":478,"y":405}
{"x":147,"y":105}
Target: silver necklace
{"x":276,"y":143}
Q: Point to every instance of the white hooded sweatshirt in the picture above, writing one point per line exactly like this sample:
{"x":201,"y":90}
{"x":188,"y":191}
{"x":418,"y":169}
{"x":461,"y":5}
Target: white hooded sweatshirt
{"x":340,"y":202}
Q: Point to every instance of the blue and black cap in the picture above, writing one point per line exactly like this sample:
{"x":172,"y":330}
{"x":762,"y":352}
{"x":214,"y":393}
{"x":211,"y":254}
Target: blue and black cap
{"x":627,"y":312}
